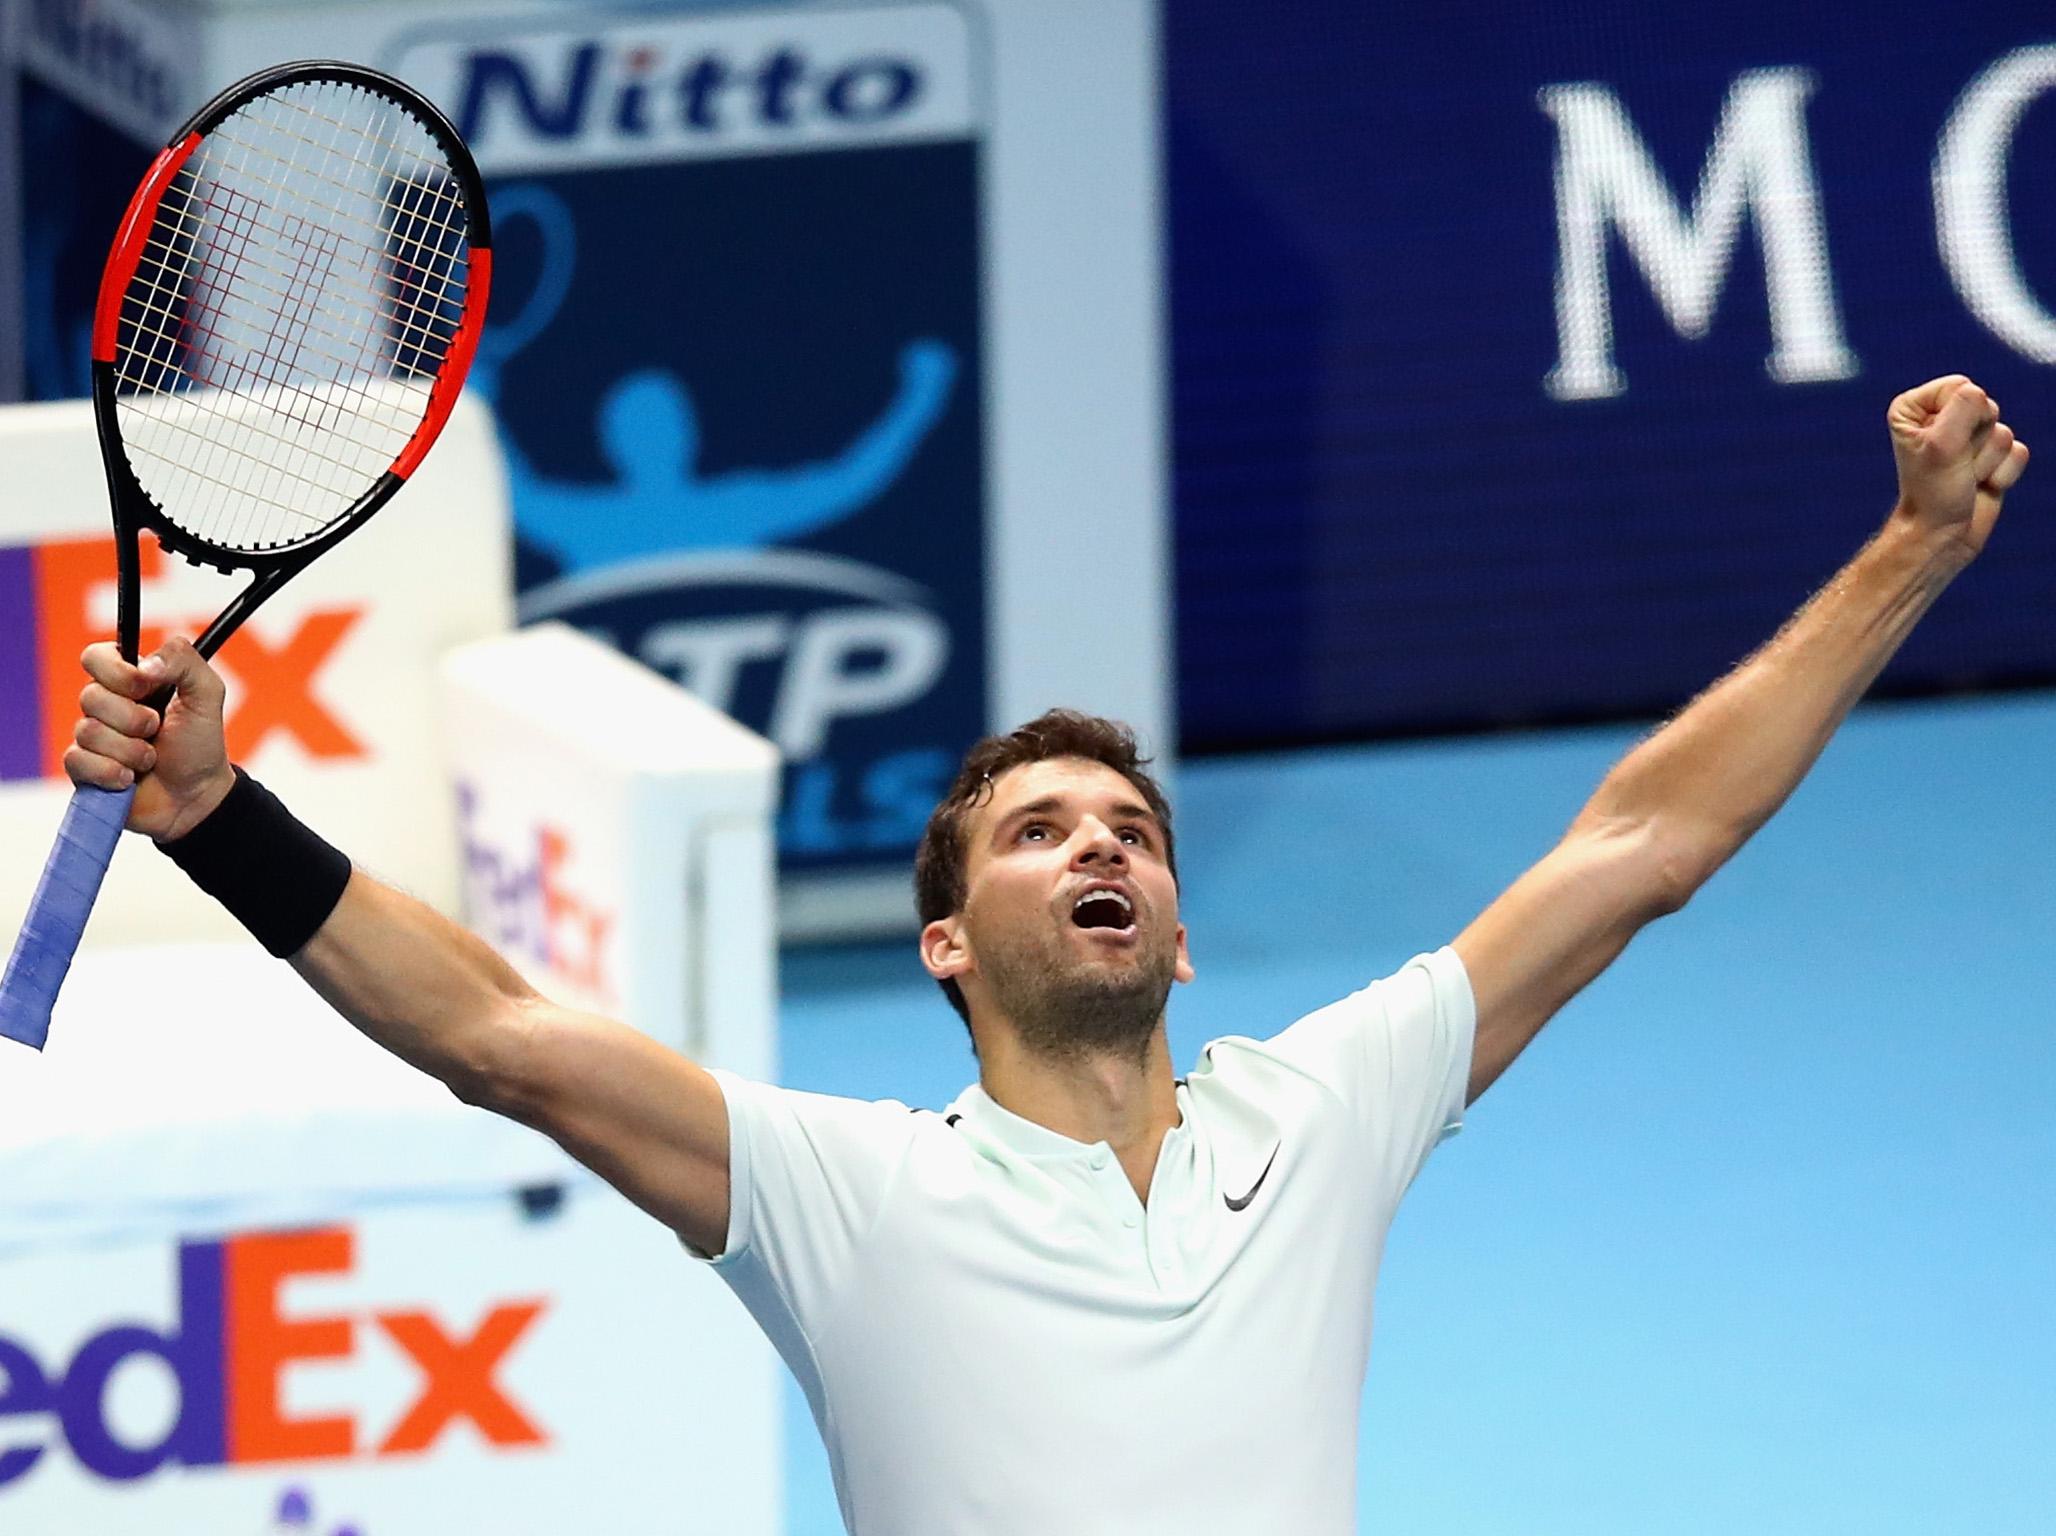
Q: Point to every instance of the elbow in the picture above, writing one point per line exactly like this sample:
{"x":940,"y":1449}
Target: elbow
{"x":495,"y":1071}
{"x":1650,"y":866}
{"x":1679,"y":864}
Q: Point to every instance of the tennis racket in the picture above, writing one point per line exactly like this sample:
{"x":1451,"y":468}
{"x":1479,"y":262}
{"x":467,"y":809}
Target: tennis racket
{"x":283,"y":325}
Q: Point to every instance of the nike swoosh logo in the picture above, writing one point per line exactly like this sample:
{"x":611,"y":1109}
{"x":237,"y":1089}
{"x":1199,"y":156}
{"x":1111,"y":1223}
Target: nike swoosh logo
{"x":1243,"y":1203}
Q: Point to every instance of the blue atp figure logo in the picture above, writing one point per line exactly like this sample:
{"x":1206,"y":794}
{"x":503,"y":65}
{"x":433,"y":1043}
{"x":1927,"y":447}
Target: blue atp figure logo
{"x":659,"y":502}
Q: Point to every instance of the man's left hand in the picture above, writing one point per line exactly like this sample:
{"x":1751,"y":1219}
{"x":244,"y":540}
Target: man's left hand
{"x":1957,"y":460}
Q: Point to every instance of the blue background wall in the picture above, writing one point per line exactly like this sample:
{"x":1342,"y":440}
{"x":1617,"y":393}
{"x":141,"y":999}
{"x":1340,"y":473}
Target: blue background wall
{"x":1386,"y":524}
{"x":1756,"y":1238}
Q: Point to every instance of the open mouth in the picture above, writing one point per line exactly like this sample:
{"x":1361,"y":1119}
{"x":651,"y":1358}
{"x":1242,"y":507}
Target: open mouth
{"x":1104,"y":908}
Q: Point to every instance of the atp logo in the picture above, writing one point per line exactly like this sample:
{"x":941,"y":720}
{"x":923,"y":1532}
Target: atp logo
{"x":56,"y":598}
{"x":782,"y":593}
{"x":228,"y":1348}
{"x":773,"y":486}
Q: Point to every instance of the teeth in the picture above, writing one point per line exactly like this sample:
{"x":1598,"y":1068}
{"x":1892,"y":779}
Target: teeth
{"x":1126,"y":905}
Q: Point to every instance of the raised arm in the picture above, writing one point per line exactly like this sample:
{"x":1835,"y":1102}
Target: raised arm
{"x":643,"y":1117}
{"x":1676,"y":808}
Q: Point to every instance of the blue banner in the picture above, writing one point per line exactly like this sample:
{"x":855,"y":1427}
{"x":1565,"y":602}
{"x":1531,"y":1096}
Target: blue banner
{"x":1532,"y":365}
{"x":736,"y":354}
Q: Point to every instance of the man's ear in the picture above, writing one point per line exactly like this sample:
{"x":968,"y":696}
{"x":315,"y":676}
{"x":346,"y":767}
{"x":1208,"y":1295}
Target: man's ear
{"x":1183,"y":969}
{"x":945,"y":950}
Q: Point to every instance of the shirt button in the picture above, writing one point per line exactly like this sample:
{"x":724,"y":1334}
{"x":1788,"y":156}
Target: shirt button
{"x":1128,"y":1220}
{"x":1099,"y":1160}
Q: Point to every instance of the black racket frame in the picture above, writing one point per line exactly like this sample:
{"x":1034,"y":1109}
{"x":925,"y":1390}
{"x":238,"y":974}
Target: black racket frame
{"x":134,"y":508}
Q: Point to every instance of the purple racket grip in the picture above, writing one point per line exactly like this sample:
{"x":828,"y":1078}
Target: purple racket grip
{"x":58,"y":911}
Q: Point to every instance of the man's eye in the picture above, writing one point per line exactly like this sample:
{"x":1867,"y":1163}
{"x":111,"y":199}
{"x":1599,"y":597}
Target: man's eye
{"x":1034,"y":829}
{"x":1133,"y":835}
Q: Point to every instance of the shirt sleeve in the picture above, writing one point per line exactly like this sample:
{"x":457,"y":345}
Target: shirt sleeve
{"x":807,"y":1174}
{"x":1398,"y":1054}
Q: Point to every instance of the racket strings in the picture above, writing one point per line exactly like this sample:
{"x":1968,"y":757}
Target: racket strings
{"x":402,"y":324}
{"x":440,"y":238}
{"x":156,"y":369}
{"x":291,"y":309}
{"x":296,"y":299}
{"x":241,"y":214}
{"x":224,"y":206}
{"x":269,"y":375}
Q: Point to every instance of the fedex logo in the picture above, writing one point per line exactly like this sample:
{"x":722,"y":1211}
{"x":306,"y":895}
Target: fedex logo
{"x":228,"y":1349}
{"x":521,"y":897}
{"x":56,"y":598}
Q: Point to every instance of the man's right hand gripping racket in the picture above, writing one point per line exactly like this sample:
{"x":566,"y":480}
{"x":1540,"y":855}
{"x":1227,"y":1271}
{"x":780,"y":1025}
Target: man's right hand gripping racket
{"x":284,"y":323}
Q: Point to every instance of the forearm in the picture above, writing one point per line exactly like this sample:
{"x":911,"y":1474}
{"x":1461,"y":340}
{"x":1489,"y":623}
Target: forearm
{"x":427,"y":990}
{"x":1722,"y":768}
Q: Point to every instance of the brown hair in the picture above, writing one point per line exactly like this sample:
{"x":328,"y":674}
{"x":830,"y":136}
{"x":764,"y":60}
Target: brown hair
{"x":940,"y":884}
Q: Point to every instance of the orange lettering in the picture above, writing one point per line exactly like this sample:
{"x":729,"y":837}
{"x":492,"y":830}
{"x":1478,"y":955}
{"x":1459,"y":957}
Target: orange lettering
{"x":261,"y":1344}
{"x":457,"y":1378}
{"x":579,"y":960}
{"x":277,"y":693}
{"x":66,"y":575}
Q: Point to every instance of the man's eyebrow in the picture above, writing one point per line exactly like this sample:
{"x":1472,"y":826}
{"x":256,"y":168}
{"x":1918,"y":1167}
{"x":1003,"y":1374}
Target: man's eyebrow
{"x":1040,"y":807}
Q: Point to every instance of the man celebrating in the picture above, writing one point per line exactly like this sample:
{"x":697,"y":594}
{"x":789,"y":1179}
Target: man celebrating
{"x":1089,"y":1296}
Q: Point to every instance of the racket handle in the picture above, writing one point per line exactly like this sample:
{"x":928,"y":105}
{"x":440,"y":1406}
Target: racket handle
{"x":58,"y":911}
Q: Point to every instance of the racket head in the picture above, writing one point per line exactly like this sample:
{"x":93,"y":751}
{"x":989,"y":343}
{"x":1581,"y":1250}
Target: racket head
{"x":287,"y":314}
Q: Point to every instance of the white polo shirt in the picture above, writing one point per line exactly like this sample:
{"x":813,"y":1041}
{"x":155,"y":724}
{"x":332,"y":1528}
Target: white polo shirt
{"x":999,"y":1339}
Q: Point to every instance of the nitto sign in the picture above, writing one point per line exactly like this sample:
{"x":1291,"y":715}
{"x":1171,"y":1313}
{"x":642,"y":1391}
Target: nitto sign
{"x":638,"y":92}
{"x":228,"y":1349}
{"x":669,"y":87}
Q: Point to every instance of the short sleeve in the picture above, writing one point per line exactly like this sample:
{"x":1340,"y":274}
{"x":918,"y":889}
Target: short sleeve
{"x":807,"y":1174}
{"x":1398,"y":1054}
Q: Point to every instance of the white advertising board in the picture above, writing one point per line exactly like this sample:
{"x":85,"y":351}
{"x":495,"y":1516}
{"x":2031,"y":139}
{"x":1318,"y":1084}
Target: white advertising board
{"x":332,"y":685}
{"x":251,"y":1263}
{"x":617,"y":839}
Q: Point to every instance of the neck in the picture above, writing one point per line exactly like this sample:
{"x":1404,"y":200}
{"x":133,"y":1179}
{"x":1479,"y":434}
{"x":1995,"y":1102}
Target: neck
{"x":1126,"y":1101}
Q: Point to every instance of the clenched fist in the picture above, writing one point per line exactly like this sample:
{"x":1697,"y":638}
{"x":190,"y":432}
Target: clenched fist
{"x":176,"y":759}
{"x":1957,"y":459}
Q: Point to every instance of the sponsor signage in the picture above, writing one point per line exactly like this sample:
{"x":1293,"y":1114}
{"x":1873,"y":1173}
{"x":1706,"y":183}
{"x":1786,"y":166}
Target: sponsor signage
{"x":738,"y":371}
{"x":227,"y":1350}
{"x":331,"y":688}
{"x":525,"y":1361}
{"x":524,"y":894}
{"x":58,"y":596}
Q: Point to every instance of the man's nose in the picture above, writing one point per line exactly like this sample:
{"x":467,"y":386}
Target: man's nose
{"x":1097,"y":844}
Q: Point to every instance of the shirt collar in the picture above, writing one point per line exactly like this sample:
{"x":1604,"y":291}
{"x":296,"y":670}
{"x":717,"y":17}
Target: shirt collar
{"x":993,"y":1121}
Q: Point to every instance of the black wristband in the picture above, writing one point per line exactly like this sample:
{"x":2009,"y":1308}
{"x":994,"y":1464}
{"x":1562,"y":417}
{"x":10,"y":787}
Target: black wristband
{"x":275,"y":875}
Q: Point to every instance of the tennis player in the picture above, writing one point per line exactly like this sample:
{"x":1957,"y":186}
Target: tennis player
{"x":1088,"y":1296}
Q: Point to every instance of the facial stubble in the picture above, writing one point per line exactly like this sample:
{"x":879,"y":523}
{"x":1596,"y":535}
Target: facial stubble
{"x":1065,"y":1007}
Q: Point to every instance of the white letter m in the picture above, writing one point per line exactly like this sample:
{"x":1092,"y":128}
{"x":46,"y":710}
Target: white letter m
{"x":1759,"y":162}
